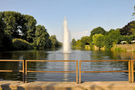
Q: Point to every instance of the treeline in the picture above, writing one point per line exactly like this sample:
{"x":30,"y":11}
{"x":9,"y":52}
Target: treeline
{"x":21,"y":32}
{"x":107,"y":39}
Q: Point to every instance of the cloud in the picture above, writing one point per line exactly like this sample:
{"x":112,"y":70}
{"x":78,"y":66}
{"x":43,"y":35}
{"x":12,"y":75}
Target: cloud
{"x":78,"y":35}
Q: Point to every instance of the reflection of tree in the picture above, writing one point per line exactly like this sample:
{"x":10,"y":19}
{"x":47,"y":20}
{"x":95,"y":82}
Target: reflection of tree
{"x":101,"y":55}
{"x":106,"y":55}
{"x":124,"y":55}
{"x":11,"y":66}
{"x":28,"y":55}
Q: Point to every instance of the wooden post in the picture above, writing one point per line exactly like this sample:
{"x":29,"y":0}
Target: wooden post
{"x":132,"y":70}
{"x":129,"y":71}
{"x":77,"y":71}
{"x":25,"y":71}
{"x":23,"y":64}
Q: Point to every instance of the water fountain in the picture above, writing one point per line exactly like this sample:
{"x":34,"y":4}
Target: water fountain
{"x":66,"y":41}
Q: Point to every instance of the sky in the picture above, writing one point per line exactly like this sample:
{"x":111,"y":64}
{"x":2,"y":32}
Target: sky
{"x":82,"y":15}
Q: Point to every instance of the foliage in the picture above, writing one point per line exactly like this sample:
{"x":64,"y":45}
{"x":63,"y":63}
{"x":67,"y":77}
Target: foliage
{"x":98,"y":30}
{"x":98,"y":40}
{"x":16,"y":25}
{"x":42,"y":40}
{"x":54,"y":42}
{"x":29,"y":28}
{"x":80,"y":44}
{"x":128,"y":29}
{"x":5,"y":40}
{"x":20,"y":44}
{"x":73,"y":43}
{"x":128,"y":38}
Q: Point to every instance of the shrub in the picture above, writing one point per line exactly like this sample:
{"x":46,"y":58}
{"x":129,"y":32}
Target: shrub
{"x":20,"y":44}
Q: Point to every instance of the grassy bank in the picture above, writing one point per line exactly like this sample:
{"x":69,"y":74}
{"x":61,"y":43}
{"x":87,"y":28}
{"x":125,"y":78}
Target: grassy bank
{"x":124,"y":47}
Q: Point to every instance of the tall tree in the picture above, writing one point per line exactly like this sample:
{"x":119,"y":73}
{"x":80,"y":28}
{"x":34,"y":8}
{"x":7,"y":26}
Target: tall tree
{"x":98,"y":40}
{"x":54,"y":41}
{"x":28,"y":28}
{"x":5,"y":40}
{"x":128,"y":29}
{"x":42,"y":40}
{"x":98,"y":30}
{"x":73,"y":43}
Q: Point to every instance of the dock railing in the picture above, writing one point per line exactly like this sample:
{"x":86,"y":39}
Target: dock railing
{"x":77,"y":71}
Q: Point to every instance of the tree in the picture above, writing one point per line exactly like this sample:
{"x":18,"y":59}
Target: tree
{"x":85,"y":40}
{"x":98,"y":30}
{"x":5,"y":40}
{"x":16,"y":25}
{"x":42,"y":40}
{"x":28,"y":28}
{"x":20,"y":44}
{"x":113,"y":36}
{"x":11,"y":20}
{"x":128,"y":29}
{"x":73,"y":43}
{"x":79,"y":44}
{"x":98,"y":40}
{"x":54,"y":41}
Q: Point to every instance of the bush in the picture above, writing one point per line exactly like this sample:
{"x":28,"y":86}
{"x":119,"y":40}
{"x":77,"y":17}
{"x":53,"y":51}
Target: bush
{"x":20,"y":44}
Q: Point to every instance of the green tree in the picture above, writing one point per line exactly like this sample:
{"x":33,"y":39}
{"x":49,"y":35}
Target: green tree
{"x":42,"y":40}
{"x":54,"y":41}
{"x":20,"y":44}
{"x":11,"y":20}
{"x":128,"y":29}
{"x":98,"y":30}
{"x":28,"y":28}
{"x":113,"y":36}
{"x":5,"y":40}
{"x":98,"y":40}
{"x":79,"y":44}
{"x":16,"y":25}
{"x":73,"y":43}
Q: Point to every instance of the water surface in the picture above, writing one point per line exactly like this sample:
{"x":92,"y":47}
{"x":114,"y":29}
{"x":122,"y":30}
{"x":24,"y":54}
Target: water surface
{"x":64,"y":66}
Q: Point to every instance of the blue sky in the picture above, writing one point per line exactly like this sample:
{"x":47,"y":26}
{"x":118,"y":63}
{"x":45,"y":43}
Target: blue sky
{"x":82,"y":15}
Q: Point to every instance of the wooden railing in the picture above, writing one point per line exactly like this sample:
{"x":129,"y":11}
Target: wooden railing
{"x":130,"y":68}
{"x":78,"y":70}
{"x":25,"y":69}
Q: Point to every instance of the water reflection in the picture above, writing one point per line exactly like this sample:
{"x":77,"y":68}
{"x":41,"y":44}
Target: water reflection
{"x":66,"y":66}
{"x":20,"y":55}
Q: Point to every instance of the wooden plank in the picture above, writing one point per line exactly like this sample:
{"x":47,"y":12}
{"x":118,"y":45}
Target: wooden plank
{"x":80,"y":72}
{"x":129,"y":71}
{"x":11,"y":71}
{"x":11,"y":60}
{"x":77,"y":71}
{"x":132,"y":71}
{"x":103,"y":71}
{"x":51,"y":60}
{"x":54,"y":71}
{"x":103,"y":60}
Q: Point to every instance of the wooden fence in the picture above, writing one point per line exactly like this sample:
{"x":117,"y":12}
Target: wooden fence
{"x":77,"y":71}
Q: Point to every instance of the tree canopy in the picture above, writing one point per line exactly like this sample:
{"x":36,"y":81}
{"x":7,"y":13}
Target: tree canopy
{"x":98,"y":40}
{"x":98,"y":30}
{"x":128,"y":29}
{"x":16,"y":25}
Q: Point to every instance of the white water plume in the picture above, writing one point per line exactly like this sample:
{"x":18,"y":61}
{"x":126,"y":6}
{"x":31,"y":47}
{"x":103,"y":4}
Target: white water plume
{"x":66,"y":41}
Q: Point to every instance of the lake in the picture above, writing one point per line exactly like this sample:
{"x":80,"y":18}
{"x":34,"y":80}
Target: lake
{"x":64,"y":66}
